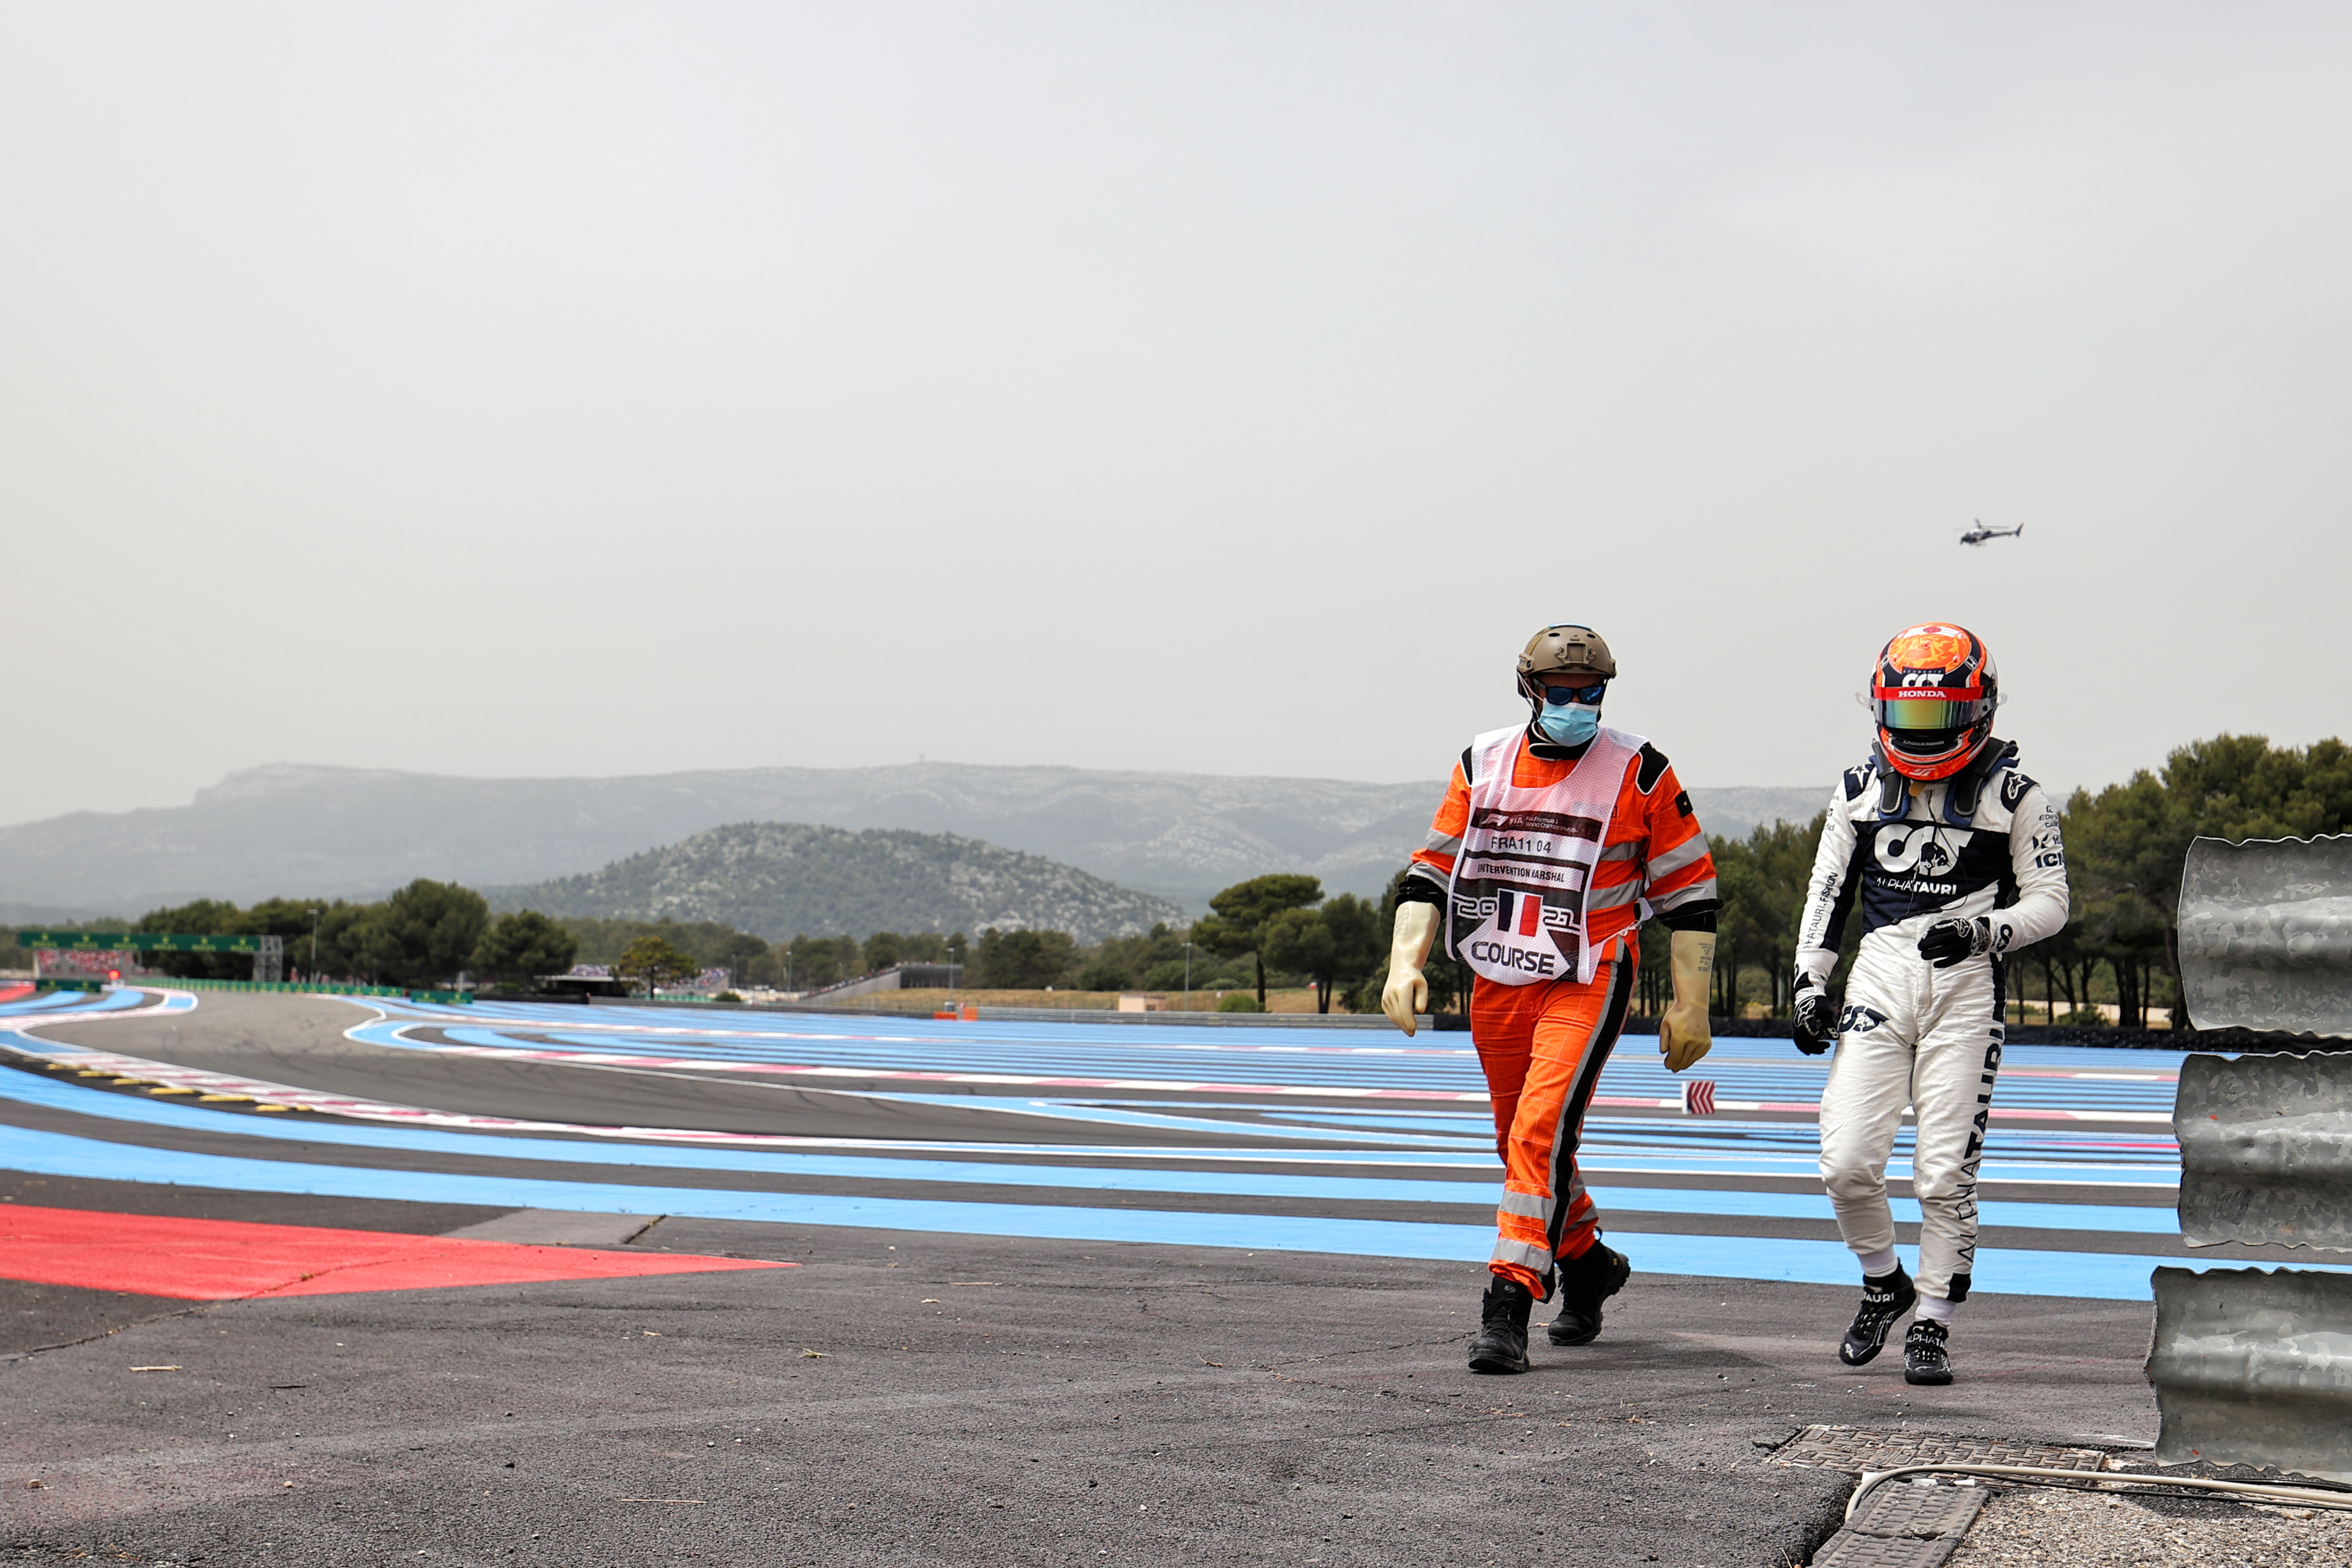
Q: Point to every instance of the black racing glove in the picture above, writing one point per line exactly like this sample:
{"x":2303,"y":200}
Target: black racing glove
{"x":1816,"y":1017}
{"x":1948,"y":941}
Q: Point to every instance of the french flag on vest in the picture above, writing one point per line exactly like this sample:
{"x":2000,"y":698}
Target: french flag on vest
{"x":1520,"y":914}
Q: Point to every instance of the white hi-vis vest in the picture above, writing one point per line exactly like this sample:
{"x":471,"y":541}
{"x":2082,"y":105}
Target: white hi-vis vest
{"x":1517,"y":900}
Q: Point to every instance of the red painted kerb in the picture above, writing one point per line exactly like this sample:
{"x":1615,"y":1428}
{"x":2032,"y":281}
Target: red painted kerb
{"x":219,"y":1260}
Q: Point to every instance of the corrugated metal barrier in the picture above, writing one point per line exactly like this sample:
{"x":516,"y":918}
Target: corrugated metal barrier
{"x":2253,"y":1366}
{"x":2266,"y":1150}
{"x":2266,"y":934}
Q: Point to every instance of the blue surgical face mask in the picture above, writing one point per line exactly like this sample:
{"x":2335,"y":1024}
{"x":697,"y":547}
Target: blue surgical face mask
{"x":1567,"y":724}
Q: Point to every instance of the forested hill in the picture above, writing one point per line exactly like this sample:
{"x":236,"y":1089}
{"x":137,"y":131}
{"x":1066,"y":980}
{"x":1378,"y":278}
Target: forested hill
{"x":355,"y":833}
{"x":783,"y":879}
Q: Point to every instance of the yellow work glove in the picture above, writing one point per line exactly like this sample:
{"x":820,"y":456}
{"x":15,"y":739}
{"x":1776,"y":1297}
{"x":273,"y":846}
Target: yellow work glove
{"x":1683,"y":1034}
{"x":1407,"y":991}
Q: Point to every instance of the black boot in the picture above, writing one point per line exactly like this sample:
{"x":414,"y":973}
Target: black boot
{"x":1584,"y":1283}
{"x":1502,"y":1341}
{"x":1884,"y":1299}
{"x":1923,"y":1358}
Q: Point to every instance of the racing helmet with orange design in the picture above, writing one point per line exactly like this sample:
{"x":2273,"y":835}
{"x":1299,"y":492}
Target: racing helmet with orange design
{"x":1933,"y":696}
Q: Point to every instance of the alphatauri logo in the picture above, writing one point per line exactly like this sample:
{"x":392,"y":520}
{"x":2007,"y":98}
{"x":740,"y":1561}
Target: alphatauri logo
{"x":1930,"y":850}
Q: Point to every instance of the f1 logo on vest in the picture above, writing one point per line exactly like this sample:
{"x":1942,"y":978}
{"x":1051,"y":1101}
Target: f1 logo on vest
{"x":1919,"y":847}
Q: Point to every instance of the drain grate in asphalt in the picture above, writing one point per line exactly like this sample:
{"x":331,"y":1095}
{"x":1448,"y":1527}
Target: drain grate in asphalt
{"x":1904,"y":1526}
{"x":1858,"y":1449}
{"x":1848,"y":1550}
{"x":1916,"y":1526}
{"x":1919,"y":1512}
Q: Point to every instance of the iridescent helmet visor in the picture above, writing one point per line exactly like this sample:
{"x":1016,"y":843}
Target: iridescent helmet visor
{"x":1928,"y":718}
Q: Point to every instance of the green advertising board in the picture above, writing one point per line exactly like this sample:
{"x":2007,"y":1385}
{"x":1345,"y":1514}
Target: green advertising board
{"x":136,"y":942}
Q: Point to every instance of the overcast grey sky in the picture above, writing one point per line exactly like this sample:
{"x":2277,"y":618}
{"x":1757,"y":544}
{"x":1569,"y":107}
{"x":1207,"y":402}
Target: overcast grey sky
{"x":499,"y":389}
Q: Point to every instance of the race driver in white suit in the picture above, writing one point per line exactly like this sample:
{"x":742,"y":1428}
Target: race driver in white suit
{"x":1952,"y":859}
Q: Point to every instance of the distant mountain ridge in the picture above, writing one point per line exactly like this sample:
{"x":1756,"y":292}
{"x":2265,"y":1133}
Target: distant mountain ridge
{"x":306,"y":831}
{"x":783,"y":879}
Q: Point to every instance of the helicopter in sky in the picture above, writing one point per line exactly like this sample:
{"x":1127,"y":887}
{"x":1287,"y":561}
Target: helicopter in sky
{"x":1980,"y":533}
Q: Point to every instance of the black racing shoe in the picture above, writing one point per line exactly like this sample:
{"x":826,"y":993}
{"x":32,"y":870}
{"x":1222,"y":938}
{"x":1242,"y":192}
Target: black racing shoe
{"x":1923,"y":1357}
{"x":1884,"y":1299}
{"x":1502,"y":1341}
{"x":1584,"y":1283}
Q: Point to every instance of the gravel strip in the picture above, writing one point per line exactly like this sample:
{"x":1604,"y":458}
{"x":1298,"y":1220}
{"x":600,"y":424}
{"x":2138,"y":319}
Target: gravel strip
{"x":2032,"y":1528}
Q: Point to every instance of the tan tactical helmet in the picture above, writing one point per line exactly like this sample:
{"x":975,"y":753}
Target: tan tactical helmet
{"x":1565,"y":650}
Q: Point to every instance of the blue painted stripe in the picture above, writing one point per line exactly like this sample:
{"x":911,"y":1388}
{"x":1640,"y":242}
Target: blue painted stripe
{"x":1713,"y":1132}
{"x":1340,"y":1124}
{"x":1620,"y":1146}
{"x":66,"y":1096}
{"x":39,"y":1002}
{"x":1178,"y":1054}
{"x":54,"y":1006}
{"x":1122,"y":1116}
{"x":1772,"y":1056}
{"x":2100,"y":1276}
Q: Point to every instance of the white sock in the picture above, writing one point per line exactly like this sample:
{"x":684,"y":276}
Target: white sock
{"x":1876,"y":1263}
{"x":1935,"y":1309}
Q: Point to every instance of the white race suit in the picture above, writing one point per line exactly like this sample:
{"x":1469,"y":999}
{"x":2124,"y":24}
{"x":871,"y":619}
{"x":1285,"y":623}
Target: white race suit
{"x":1984,"y":842}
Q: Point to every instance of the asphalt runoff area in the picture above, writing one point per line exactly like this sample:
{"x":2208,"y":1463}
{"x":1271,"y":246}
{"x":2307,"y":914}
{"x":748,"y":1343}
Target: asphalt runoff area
{"x":903,"y":1396}
{"x":967,"y":1400}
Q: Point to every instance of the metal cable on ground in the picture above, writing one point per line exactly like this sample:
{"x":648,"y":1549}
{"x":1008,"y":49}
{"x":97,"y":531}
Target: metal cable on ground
{"x":2261,"y":1491}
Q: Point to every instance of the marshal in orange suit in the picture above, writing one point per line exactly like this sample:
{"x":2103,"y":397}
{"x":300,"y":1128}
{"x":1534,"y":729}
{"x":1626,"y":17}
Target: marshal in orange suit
{"x":1556,"y":842}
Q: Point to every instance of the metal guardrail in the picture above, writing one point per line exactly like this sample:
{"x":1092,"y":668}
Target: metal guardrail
{"x":286,"y":987}
{"x":2266,"y":1150}
{"x":2252,"y":1367}
{"x":2266,"y":934}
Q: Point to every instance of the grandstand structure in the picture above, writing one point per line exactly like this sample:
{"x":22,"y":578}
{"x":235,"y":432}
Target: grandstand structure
{"x":89,"y":954}
{"x":897,"y":977}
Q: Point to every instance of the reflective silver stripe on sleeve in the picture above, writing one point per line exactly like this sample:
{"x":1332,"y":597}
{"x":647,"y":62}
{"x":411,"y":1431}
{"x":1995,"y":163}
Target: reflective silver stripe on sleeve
{"x":1443,"y":843}
{"x":1680,"y":855}
{"x":1534,"y":1260}
{"x":1576,"y":1193}
{"x":1526,"y":1205}
{"x":1610,"y":898}
{"x":1628,"y":851}
{"x":1703,"y":888}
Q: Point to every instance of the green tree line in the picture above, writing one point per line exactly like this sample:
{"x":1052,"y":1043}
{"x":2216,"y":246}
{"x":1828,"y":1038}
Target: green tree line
{"x":1270,"y":930}
{"x":427,"y":933}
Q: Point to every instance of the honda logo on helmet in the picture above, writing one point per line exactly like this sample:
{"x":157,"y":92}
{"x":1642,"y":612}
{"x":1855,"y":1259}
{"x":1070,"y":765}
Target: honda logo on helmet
{"x":1936,"y":661}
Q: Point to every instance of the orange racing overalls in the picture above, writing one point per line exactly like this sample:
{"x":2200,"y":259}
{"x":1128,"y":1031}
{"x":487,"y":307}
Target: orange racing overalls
{"x":1582,"y":861}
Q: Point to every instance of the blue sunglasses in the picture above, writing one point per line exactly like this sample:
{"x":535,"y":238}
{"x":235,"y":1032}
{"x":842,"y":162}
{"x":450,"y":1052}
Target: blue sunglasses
{"x":1560,"y":696}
